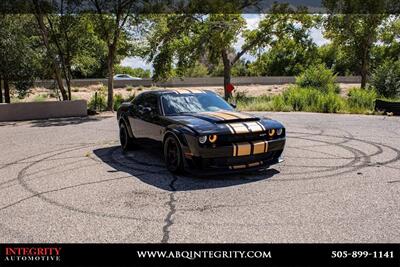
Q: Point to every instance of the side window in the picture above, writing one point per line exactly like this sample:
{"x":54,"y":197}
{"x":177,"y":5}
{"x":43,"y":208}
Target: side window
{"x":137,"y":102}
{"x":151,"y":101}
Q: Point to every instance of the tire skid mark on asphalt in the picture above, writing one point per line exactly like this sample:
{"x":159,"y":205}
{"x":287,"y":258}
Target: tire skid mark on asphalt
{"x":50,"y":201}
{"x":48,"y":174}
{"x":14,"y":181}
{"x":61,"y":189}
{"x":21,"y":161}
{"x":172,"y":199}
{"x":172,"y":209}
{"x":41,"y":195}
{"x":351,"y":164}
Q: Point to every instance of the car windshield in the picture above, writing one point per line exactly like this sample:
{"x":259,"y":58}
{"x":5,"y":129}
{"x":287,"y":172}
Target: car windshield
{"x":193,"y":103}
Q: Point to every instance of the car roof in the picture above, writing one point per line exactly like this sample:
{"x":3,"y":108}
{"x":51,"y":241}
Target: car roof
{"x":178,"y":91}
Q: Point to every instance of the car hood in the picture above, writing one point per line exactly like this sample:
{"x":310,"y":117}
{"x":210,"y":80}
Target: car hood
{"x":223,"y":122}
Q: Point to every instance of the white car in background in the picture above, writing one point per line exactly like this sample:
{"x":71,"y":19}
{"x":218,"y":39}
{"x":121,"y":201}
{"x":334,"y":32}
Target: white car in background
{"x":125,"y":77}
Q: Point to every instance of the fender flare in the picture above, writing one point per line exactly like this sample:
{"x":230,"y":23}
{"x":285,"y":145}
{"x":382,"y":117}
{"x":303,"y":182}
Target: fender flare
{"x":124,"y":119}
{"x":178,"y":132}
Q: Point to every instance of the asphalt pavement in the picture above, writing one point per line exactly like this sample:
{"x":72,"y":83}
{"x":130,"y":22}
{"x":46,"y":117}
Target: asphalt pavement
{"x":67,"y":180}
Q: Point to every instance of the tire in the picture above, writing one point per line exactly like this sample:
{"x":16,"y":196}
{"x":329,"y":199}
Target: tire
{"x":173,"y":155}
{"x":127,"y":143}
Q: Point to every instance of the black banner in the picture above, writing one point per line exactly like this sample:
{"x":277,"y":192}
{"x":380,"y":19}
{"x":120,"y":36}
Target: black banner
{"x":200,"y":255}
{"x":201,"y":6}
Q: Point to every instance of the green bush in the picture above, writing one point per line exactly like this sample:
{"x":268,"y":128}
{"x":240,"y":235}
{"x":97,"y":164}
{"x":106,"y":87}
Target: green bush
{"x":318,"y":77}
{"x":312,"y":100}
{"x":386,"y":79}
{"x":361,"y":100}
{"x":40,"y":98}
{"x":99,"y":102}
{"x":330,"y":103}
{"x":118,"y":100}
{"x":278,"y":104}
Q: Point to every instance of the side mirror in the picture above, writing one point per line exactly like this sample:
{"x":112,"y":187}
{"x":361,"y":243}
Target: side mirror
{"x":233,"y":105}
{"x":144,"y":110}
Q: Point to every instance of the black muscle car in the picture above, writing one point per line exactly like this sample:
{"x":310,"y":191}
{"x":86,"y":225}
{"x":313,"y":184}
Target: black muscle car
{"x":200,"y":132}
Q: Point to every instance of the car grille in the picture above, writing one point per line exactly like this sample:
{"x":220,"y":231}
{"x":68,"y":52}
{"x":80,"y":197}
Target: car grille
{"x":224,"y":140}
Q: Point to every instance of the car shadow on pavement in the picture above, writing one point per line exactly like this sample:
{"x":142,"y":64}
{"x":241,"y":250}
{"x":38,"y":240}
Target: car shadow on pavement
{"x":66,"y":121}
{"x":147,"y":165}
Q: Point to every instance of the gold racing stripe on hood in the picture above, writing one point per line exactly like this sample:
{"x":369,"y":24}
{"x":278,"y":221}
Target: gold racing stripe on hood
{"x":213,"y":114}
{"x":262,"y":126}
{"x":220,"y":115}
{"x":239,"y":128}
{"x":254,"y":127}
{"x":238,"y":115}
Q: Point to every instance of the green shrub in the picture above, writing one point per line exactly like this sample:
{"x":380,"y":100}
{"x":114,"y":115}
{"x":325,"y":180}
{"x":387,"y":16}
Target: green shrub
{"x":239,"y":96}
{"x":302,"y":99}
{"x":386,"y":79}
{"x":312,"y":100}
{"x":40,"y":98}
{"x":278,"y":104}
{"x":118,"y":100}
{"x":330,"y":103}
{"x":361,"y":100}
{"x":98,"y":101}
{"x":318,"y":77}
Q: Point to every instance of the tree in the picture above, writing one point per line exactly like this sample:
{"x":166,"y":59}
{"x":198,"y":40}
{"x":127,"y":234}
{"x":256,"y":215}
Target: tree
{"x":354,"y":26}
{"x":18,"y":56}
{"x":111,"y":21}
{"x":73,"y":38}
{"x":135,"y":72}
{"x":286,"y":57}
{"x":181,"y":39}
{"x":51,"y":54}
{"x":337,"y":59}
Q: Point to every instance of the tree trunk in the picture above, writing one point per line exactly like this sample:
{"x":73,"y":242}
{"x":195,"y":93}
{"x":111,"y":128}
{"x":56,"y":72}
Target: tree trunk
{"x":1,"y":91}
{"x":364,"y":68}
{"x":364,"y":72}
{"x":45,"y":36}
{"x":6,"y":91}
{"x":110,"y":81}
{"x":227,"y":73}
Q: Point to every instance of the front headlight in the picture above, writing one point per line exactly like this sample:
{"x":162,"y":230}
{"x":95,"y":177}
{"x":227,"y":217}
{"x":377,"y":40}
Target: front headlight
{"x":212,"y":138}
{"x":202,"y":139}
{"x":271,"y":132}
{"x":279,"y":131}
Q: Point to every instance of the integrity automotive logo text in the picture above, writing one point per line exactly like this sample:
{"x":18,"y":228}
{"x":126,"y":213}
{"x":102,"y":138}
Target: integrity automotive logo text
{"x":32,"y":254}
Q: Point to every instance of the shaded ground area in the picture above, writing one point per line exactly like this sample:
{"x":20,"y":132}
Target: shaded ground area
{"x":68,"y":181}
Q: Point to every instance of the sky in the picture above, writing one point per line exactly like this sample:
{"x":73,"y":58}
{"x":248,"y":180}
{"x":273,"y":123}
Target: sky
{"x":252,"y":22}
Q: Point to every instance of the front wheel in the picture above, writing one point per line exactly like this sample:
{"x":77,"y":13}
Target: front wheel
{"x":126,"y":141}
{"x":173,"y":155}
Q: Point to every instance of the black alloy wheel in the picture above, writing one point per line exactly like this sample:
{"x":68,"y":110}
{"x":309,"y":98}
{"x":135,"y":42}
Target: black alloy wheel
{"x":173,"y":155}
{"x":125,"y":140}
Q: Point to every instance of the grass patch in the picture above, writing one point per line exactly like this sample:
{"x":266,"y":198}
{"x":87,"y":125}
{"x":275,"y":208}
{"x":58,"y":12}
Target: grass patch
{"x":40,"y":98}
{"x":359,"y":101}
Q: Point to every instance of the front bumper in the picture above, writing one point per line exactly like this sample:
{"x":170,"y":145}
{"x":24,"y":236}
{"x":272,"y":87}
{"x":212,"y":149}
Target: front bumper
{"x":223,"y":159}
